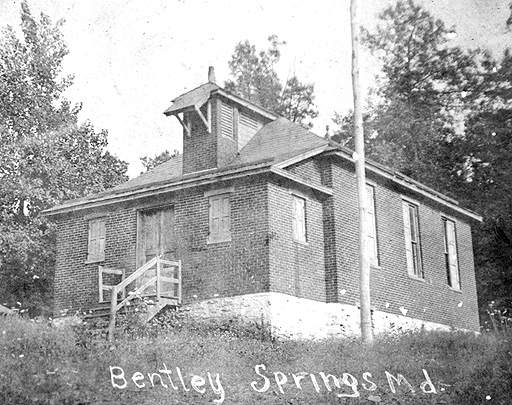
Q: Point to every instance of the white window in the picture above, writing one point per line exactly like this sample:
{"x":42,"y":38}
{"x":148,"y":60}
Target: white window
{"x":96,"y":250}
{"x":299,"y":218}
{"x":412,"y":239}
{"x":227,"y":120}
{"x":450,"y":254}
{"x":371,"y":229}
{"x":220,"y":218}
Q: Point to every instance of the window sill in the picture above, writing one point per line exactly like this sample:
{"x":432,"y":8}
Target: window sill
{"x":457,"y":290}
{"x":416,"y":278}
{"x":375,"y":267}
{"x":300,"y":242}
{"x":211,"y":242}
{"x":95,"y":260}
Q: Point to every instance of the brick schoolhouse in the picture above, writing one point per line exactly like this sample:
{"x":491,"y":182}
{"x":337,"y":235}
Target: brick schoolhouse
{"x":262,"y":215}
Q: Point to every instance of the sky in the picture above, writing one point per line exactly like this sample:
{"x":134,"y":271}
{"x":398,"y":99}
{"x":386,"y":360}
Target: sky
{"x":130,"y":58}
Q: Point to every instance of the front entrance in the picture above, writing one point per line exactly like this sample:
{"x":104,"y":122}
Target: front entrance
{"x":156,"y":238}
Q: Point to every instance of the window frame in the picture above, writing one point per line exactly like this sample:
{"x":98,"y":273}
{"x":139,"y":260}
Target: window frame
{"x":413,"y":240}
{"x":224,"y":234}
{"x":95,"y":249}
{"x":372,"y":226}
{"x":448,"y":264}
{"x":299,"y":225}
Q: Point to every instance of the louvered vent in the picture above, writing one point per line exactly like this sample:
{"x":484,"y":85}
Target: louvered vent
{"x":227,"y":120}
{"x":247,"y":129}
{"x":248,"y":122}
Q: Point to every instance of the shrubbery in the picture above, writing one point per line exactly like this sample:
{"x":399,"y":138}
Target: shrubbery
{"x":41,"y":364}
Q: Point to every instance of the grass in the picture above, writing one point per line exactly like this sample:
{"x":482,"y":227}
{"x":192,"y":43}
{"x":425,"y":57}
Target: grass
{"x":40,"y":364}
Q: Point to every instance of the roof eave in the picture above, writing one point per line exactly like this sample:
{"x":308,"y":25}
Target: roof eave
{"x":208,"y":178}
{"x":303,"y":156}
{"x":170,"y":111}
{"x":414,"y":186}
{"x":245,"y":103}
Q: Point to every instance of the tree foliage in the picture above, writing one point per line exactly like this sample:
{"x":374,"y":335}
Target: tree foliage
{"x":255,"y":79}
{"x":426,"y":88}
{"x":443,"y":115}
{"x":489,"y":189}
{"x":47,"y":156}
{"x":150,"y":163}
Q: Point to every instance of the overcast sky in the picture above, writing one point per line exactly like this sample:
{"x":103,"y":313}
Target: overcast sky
{"x":130,"y":58}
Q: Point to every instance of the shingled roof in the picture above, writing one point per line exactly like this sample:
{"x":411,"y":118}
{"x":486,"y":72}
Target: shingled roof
{"x":278,"y":141}
{"x":192,"y":99}
{"x":275,"y":146}
{"x":164,"y":172}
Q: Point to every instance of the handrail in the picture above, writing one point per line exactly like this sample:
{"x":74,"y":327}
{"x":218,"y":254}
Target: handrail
{"x":158,"y":261}
{"x":103,"y":287}
{"x":135,"y":275}
{"x":135,"y":293}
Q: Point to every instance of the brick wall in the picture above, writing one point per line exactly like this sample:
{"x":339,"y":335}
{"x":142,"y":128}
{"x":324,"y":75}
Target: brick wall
{"x":309,"y":169}
{"x":200,"y":148}
{"x":203,"y":150}
{"x":430,"y":300}
{"x":226,"y":268}
{"x":209,"y":270}
{"x":295,"y":268}
{"x":329,"y":222}
{"x":263,"y":257}
{"x":76,"y":282}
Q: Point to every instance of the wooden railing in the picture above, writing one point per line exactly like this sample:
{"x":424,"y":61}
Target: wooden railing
{"x":157,"y":280}
{"x":106,"y":287}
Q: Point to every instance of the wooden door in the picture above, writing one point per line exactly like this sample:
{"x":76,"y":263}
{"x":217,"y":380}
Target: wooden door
{"x":156,"y":238}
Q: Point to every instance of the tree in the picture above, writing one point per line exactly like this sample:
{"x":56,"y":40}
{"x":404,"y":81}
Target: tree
{"x":414,"y":114}
{"x":296,"y":102}
{"x":444,"y":116}
{"x":488,"y":172}
{"x":254,"y":76}
{"x":255,"y":79}
{"x":151,"y":163}
{"x":47,"y":157}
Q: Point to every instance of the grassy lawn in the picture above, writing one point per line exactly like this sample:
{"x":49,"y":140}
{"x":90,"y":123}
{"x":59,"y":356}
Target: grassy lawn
{"x":231,"y":364}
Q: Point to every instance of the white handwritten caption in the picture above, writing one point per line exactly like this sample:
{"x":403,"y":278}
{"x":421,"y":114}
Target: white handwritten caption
{"x":347,"y":382}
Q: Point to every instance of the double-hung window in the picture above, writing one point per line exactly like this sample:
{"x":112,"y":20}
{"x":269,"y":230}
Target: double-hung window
{"x":412,"y":239}
{"x":371,"y":229}
{"x":450,"y":254}
{"x":299,"y":218}
{"x":220,"y":218}
{"x":96,"y":249}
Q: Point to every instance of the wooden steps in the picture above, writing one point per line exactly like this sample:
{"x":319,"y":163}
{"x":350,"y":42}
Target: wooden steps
{"x":153,"y":307}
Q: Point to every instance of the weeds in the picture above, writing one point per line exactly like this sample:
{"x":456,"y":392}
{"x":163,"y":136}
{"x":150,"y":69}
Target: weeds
{"x":40,"y":364}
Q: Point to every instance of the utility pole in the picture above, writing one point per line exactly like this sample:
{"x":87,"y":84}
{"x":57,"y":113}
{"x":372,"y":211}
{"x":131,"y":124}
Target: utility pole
{"x":364,"y":264}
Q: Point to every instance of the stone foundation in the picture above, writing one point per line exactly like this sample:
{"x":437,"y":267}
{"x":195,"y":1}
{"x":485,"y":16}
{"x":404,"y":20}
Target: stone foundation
{"x":300,"y":318}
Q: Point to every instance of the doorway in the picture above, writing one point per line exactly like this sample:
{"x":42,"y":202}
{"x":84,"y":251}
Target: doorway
{"x":156,"y":238}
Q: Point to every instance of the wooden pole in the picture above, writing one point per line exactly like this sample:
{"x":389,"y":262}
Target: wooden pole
{"x":364,"y":270}
{"x":113,"y":309}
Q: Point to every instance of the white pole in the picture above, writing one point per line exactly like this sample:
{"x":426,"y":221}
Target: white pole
{"x":364,"y":270}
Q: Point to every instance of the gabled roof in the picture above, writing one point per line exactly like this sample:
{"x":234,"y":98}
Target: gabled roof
{"x":278,"y":141}
{"x":196,"y":98}
{"x":164,"y":172}
{"x":192,"y":99}
{"x":277,"y":145}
